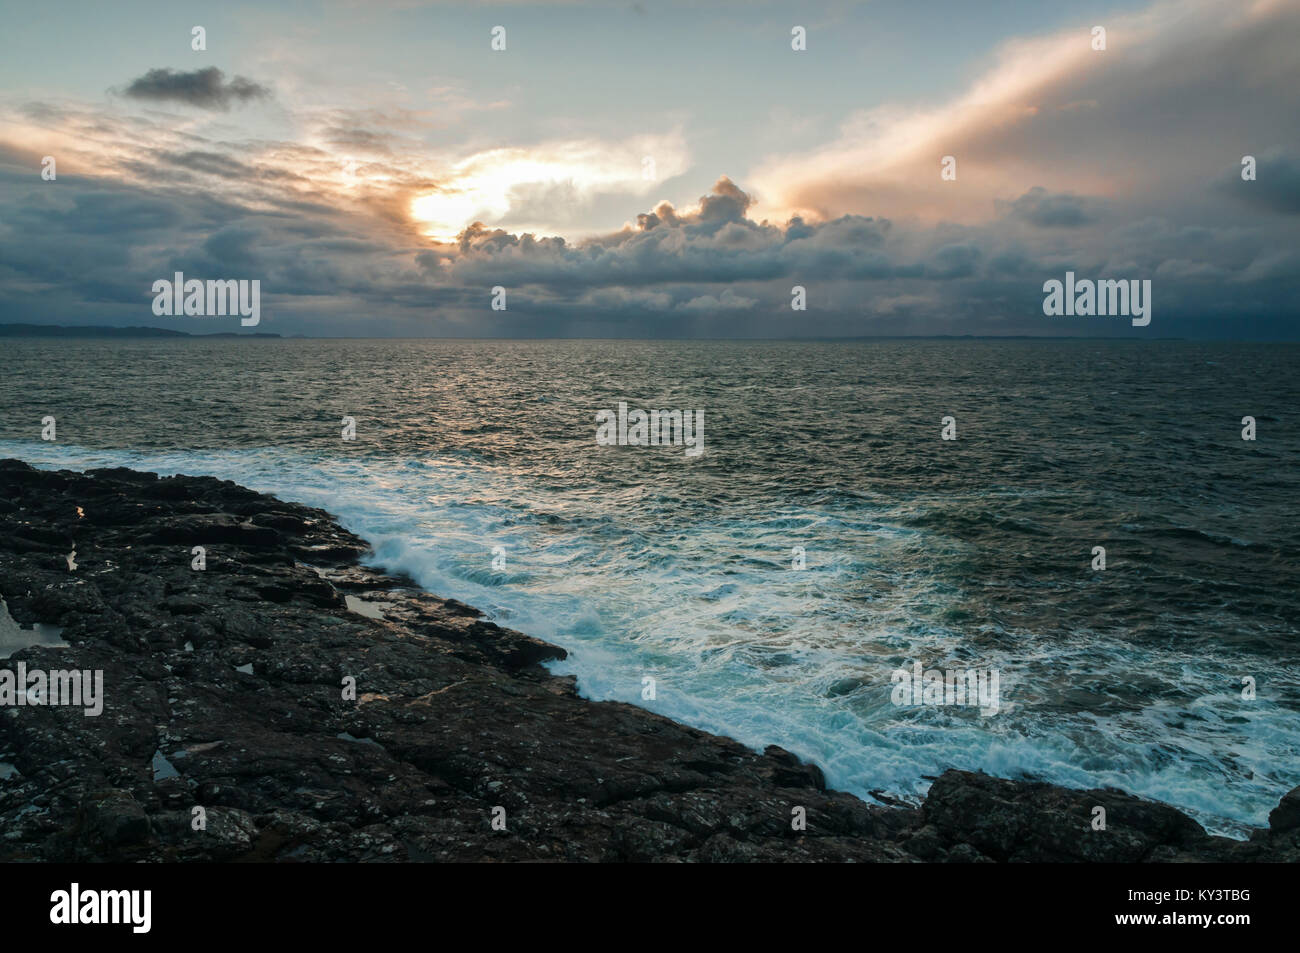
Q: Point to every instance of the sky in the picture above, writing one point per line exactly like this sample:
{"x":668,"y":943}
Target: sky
{"x":648,"y":170}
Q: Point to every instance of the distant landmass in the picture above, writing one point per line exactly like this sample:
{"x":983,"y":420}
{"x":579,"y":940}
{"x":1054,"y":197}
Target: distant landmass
{"x":96,"y":331}
{"x":93,"y":331}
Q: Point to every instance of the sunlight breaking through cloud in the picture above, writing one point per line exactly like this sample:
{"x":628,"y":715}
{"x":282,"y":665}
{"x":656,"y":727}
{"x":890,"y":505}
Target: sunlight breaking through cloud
{"x":530,"y":189}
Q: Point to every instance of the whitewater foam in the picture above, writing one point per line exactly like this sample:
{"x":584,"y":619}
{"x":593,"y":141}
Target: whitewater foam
{"x":741,"y":644}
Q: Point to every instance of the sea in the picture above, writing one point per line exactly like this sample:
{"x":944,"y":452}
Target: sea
{"x":828,"y":537}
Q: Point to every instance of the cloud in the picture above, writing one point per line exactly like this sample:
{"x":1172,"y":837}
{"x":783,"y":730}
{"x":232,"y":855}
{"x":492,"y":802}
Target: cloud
{"x":1275,"y":188}
{"x":1133,"y":122}
{"x":1051,"y":210}
{"x":727,"y":301}
{"x":86,"y":247}
{"x":202,"y":88}
{"x":544,"y":185}
{"x":1120,"y":164}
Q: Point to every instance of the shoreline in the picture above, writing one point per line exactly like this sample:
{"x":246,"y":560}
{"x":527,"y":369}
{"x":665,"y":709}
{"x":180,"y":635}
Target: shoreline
{"x":224,"y":691}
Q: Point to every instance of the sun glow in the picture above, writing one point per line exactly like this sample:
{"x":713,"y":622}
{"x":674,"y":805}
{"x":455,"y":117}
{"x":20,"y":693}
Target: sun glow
{"x":480,"y":194}
{"x":542,"y":188}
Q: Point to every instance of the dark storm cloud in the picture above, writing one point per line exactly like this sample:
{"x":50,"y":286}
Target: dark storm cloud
{"x":715,"y":244}
{"x":87,"y":250}
{"x":1048,"y":210}
{"x":869,"y":275}
{"x":1275,"y":188}
{"x":234,"y":247}
{"x":954,"y":261}
{"x":202,"y":88}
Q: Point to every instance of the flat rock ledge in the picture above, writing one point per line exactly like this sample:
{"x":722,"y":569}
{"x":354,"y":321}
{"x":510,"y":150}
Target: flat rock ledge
{"x":224,"y":690}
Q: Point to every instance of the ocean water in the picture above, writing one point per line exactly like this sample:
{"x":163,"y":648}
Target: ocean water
{"x":644,"y":562}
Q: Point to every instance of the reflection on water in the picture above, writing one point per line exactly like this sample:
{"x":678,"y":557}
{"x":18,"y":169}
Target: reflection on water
{"x":15,"y":638}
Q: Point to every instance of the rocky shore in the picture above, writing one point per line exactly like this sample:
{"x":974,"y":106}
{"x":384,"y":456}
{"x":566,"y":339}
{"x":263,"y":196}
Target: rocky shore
{"x":227,"y":689}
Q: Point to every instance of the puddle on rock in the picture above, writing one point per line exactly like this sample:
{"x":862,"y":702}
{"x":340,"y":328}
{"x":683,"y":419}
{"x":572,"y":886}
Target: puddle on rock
{"x":14,"y":638}
{"x":162,"y":768}
{"x":371,"y":610}
{"x":344,"y":736}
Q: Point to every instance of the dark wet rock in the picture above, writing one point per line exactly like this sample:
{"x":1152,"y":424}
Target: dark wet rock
{"x":230,"y":690}
{"x":1286,"y":816}
{"x":790,"y":772}
{"x":1023,"y":821}
{"x":116,"y":819}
